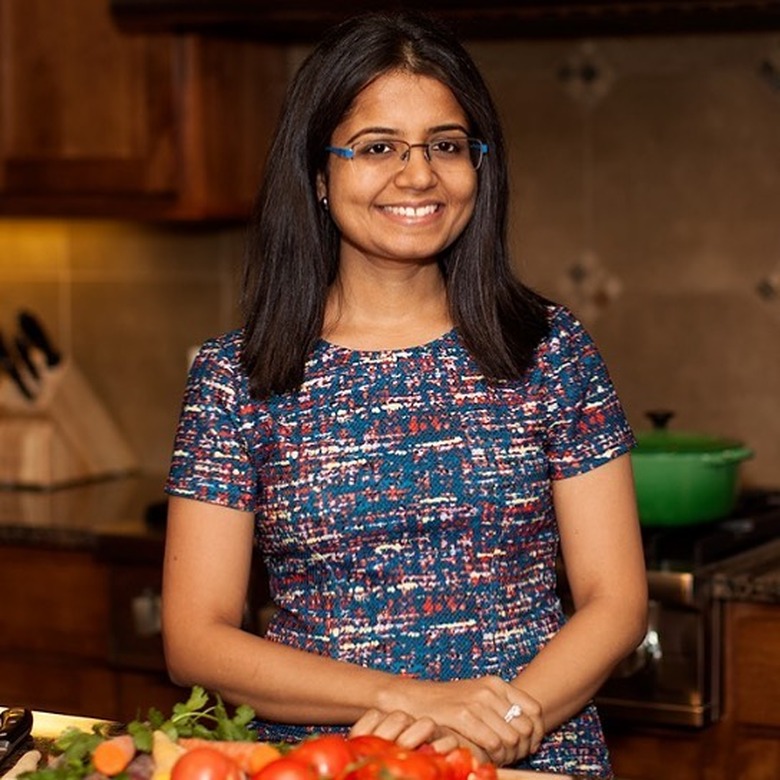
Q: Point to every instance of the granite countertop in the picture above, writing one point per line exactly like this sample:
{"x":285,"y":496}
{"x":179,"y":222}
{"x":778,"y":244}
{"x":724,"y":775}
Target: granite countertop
{"x":751,"y":576}
{"x":86,"y":516}
{"x":113,"y":517}
{"x":49,"y":725}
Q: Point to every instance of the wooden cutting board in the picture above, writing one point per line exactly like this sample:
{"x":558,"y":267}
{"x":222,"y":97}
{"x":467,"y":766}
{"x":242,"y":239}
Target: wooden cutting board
{"x":522,"y":774}
{"x":48,"y":725}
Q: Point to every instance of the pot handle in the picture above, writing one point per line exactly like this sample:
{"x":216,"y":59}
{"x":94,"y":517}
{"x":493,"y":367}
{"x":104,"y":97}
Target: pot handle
{"x":727,"y":457}
{"x":659,"y":418}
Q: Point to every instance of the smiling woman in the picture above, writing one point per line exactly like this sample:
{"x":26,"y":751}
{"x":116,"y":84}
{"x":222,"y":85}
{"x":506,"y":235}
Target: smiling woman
{"x":407,"y":433}
{"x":396,"y":211}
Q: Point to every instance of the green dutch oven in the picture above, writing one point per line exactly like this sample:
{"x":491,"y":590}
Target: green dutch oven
{"x":685,"y":478}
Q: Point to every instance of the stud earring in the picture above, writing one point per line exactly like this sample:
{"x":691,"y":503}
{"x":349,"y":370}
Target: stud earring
{"x":324,"y":203}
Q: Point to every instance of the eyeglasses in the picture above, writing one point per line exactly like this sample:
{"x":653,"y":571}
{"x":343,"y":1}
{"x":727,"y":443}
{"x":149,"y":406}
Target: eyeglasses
{"x":390,"y":154}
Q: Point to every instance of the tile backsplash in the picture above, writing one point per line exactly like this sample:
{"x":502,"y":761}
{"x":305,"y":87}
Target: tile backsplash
{"x":646,"y":178}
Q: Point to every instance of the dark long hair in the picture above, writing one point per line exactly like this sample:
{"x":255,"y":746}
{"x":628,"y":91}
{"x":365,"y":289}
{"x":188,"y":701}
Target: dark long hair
{"x":292,"y":249}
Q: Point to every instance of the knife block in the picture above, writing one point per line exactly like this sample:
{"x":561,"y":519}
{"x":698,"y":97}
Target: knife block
{"x":64,"y":436}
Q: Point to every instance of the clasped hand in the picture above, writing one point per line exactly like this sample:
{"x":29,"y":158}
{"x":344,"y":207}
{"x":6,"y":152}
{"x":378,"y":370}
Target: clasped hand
{"x":475,"y":713}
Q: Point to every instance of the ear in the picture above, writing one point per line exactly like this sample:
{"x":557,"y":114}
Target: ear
{"x":322,"y":187}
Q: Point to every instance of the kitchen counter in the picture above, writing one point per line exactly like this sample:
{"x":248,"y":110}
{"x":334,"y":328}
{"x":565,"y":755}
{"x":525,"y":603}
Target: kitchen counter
{"x":112,"y":518}
{"x":90,"y":516}
{"x":753,"y":576}
{"x":49,"y":725}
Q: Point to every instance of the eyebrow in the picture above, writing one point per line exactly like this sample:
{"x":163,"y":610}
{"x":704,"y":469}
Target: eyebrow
{"x":393,"y":132}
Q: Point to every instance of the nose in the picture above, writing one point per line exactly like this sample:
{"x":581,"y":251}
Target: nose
{"x":417,"y":171}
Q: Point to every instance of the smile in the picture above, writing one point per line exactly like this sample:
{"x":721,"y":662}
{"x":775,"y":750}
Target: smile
{"x":410,"y":211}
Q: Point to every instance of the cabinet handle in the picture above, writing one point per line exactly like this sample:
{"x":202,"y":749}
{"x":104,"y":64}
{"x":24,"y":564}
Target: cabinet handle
{"x":147,"y":616}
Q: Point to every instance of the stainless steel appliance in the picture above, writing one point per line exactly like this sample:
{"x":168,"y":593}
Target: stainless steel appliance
{"x":674,"y":677}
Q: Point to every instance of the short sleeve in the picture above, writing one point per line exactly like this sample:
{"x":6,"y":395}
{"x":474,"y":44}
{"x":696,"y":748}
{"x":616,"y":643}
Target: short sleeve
{"x":586,"y":423}
{"x":211,"y":460}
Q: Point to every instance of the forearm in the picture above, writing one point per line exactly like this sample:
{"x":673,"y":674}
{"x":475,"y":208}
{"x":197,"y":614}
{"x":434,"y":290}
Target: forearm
{"x":570,"y":669}
{"x":279,"y":682}
{"x":292,"y":686}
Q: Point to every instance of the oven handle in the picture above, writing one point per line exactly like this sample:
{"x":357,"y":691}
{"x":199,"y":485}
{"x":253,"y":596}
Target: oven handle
{"x":648,"y":652}
{"x":672,"y":587}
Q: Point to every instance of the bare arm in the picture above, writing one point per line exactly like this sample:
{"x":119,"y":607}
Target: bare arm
{"x":206,"y":573}
{"x":602,"y":550}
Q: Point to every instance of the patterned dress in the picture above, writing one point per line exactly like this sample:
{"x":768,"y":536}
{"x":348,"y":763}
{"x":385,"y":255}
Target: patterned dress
{"x":403,"y":504}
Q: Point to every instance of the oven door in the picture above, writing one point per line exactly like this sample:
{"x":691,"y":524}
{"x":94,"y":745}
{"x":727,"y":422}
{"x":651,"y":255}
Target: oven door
{"x":674,"y":676}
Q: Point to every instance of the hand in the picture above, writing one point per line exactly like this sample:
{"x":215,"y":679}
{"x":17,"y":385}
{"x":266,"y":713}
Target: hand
{"x":476,"y":710}
{"x":405,"y":730}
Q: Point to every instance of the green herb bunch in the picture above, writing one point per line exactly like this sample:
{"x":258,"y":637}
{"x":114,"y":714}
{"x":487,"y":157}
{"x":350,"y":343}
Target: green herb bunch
{"x":197,"y":717}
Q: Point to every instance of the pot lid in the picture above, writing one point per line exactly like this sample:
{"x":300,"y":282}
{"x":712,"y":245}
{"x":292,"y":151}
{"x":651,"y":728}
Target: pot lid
{"x":683,"y":442}
{"x":662,"y":440}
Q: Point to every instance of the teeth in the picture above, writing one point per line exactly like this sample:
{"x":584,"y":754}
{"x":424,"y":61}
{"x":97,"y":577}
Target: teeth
{"x":408,"y":211}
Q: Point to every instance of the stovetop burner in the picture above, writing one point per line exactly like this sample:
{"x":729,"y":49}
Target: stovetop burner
{"x":755,"y":520}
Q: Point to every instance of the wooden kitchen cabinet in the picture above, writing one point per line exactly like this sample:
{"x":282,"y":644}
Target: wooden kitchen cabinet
{"x":754,"y":649}
{"x":99,"y":122}
{"x":745,"y":742}
{"x":752,"y":687}
{"x":58,"y":635}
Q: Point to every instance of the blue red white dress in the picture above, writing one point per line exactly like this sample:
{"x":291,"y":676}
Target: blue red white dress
{"x":403,"y":503}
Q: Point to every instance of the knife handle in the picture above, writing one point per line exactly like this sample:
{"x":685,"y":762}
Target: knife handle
{"x":32,"y":328}
{"x":15,"y":726}
{"x":23,"y":350}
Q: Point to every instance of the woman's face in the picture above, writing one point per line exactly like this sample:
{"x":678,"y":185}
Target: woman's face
{"x":388,"y":210}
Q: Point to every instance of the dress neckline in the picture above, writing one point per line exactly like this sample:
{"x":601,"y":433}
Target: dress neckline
{"x":330,"y":346}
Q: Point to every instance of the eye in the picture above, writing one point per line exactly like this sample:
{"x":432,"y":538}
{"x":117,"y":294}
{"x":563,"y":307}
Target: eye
{"x":378,"y":148}
{"x":449,"y":147}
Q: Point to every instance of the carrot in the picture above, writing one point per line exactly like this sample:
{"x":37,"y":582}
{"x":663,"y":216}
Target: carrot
{"x":114,"y":754}
{"x":250,"y":756}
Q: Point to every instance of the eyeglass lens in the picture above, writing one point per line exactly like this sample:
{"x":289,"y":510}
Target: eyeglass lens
{"x":441,"y":153}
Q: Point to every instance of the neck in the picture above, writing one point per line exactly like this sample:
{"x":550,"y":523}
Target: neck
{"x":387,"y":309}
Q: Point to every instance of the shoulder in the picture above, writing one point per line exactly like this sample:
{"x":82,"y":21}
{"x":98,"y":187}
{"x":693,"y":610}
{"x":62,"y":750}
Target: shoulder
{"x":563,"y":323}
{"x":223,"y":350}
{"x":567,"y":337}
{"x":226,"y":346}
{"x":217,"y":363}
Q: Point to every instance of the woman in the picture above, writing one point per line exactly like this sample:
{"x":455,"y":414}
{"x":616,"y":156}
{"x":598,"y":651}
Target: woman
{"x":407,"y":434}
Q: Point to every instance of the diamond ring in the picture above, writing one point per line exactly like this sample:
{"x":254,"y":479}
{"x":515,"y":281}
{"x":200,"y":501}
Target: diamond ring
{"x":515,"y":711}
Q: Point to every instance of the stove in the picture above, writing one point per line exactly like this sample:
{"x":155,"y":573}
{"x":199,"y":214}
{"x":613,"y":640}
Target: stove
{"x":674,"y":676}
{"x":755,"y":521}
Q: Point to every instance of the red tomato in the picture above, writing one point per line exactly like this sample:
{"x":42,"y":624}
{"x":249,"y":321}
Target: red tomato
{"x":461,"y":762}
{"x":328,"y":755}
{"x":205,"y":763}
{"x":440,"y":759}
{"x":401,"y":765}
{"x":285,"y":768}
{"x":370,"y":745}
{"x":485,"y":772}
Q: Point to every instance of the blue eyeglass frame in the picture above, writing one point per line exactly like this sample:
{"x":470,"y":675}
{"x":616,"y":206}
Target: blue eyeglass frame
{"x":348,"y":152}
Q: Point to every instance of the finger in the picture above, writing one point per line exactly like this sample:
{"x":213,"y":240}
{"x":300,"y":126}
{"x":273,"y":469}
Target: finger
{"x":366,"y":723}
{"x":482,"y":731}
{"x":530,"y":715}
{"x":476,"y":751}
{"x":516,"y":730}
{"x":420,"y":732}
{"x":445,"y":743}
{"x":394,"y":725}
{"x":535,"y":714}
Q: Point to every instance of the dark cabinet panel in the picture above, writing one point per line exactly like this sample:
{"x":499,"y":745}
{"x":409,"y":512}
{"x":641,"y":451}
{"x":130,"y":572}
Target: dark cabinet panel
{"x":305,"y":19}
{"x":96,"y":121}
{"x":86,"y":112}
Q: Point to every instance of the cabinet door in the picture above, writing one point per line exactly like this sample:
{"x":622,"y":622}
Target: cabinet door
{"x":86,"y":112}
{"x":754,"y":651}
{"x":137,"y":693}
{"x":55,"y":603}
{"x":55,"y":684}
